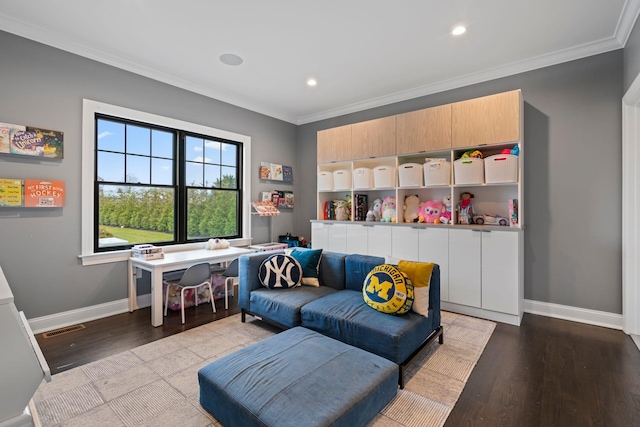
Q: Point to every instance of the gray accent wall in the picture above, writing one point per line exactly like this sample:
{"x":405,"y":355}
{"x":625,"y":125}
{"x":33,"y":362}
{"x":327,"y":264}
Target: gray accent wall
{"x":573,"y":178}
{"x":42,"y":86}
{"x":632,"y":57}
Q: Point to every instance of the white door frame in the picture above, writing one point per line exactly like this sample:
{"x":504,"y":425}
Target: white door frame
{"x":630,"y":209}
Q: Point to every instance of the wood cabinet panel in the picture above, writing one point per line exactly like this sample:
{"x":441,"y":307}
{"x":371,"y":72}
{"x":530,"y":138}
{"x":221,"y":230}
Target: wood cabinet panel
{"x":424,"y":130}
{"x":334,"y":145}
{"x":491,"y":119}
{"x":374,"y":138}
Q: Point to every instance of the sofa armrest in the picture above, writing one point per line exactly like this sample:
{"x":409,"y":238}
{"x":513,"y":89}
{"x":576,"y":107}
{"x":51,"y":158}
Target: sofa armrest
{"x":248,"y":280}
{"x":434,"y":296}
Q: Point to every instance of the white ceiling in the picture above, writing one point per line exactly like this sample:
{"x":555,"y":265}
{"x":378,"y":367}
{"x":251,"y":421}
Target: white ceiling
{"x":364,"y":53}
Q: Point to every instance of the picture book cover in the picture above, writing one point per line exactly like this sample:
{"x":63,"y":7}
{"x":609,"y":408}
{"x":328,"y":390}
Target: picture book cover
{"x":26,"y":143}
{"x":287,"y":173}
{"x":265,"y":208}
{"x":265,"y":170}
{"x":52,"y":140}
{"x":5,"y":136}
{"x":276,"y":172}
{"x":288,"y":199}
{"x":10,"y":192}
{"x":43,"y":194}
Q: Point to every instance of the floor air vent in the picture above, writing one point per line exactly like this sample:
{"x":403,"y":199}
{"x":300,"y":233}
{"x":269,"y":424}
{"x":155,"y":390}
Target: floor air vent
{"x":62,"y":331}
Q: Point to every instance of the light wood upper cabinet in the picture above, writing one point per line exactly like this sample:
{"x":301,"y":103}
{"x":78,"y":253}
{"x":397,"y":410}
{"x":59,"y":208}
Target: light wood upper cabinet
{"x":491,"y":119}
{"x":374,"y":138}
{"x":424,"y":130}
{"x":334,"y":145}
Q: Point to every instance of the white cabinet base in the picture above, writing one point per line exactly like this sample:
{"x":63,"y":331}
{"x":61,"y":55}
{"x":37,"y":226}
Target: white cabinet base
{"x":482,"y":313}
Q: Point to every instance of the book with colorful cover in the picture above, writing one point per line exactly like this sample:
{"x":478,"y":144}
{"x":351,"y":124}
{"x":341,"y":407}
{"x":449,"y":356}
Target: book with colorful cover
{"x":5,"y":136}
{"x":265,"y":170}
{"x":276,"y":172}
{"x":287,"y":173}
{"x":26,"y":143}
{"x":43,"y":194}
{"x":10,"y":192}
{"x":52,"y":140}
{"x":288,"y":199}
{"x":265,"y":208}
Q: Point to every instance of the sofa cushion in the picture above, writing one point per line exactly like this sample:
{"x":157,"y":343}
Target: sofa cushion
{"x":309,"y":260}
{"x":344,"y":316}
{"x":280,"y":271}
{"x":420,"y":275}
{"x":283,"y":305}
{"x":388,"y":290}
{"x":358,"y":266}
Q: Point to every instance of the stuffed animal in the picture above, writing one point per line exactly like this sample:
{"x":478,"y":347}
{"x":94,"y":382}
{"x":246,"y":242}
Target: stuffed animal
{"x":475,"y":153}
{"x":445,"y":217}
{"x":430,"y":211}
{"x":217,"y":244}
{"x":389,"y":209}
{"x":375,"y":213}
{"x":411,"y":207}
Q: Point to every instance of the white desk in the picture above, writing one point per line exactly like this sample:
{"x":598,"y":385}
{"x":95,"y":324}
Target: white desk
{"x":173,"y":261}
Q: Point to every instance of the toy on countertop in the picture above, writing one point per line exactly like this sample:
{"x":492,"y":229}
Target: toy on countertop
{"x":474,"y":153}
{"x":375,"y":213}
{"x":465,"y":208}
{"x":447,"y":212}
{"x":342,"y":210}
{"x":490,"y":220}
{"x":411,"y":208}
{"x":389,"y":209}
{"x":430,"y":211}
{"x":217,"y":244}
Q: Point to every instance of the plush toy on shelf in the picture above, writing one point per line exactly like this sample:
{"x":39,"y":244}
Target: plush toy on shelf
{"x":389,"y":209}
{"x":465,"y":208}
{"x":342,"y":210}
{"x":472,"y":153}
{"x":217,"y":244}
{"x":411,"y":208}
{"x":375,"y":212}
{"x":430,"y":211}
{"x":447,"y":212}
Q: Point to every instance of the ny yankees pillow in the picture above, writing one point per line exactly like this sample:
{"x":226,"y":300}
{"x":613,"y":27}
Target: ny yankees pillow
{"x":280,"y":272}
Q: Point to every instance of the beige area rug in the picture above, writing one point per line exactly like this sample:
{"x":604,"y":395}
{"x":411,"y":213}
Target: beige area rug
{"x":157,"y":384}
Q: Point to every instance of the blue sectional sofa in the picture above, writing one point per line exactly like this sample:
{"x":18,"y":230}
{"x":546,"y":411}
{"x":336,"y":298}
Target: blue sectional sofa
{"x":337,"y":309}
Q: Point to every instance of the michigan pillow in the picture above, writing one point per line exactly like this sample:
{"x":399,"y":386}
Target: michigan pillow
{"x":309,"y":260}
{"x":280,"y":272}
{"x":388,"y":290}
{"x":420,"y":275}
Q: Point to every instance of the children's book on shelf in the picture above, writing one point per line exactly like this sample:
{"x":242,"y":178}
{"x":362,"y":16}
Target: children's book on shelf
{"x":5,"y":136}
{"x":43,"y":194}
{"x":52,"y":140}
{"x":287,"y":173}
{"x":265,"y":208}
{"x":265,"y":170}
{"x":10,"y":192}
{"x":276,"y":172}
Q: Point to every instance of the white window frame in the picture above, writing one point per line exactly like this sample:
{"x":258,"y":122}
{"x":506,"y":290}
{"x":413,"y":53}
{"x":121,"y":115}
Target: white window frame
{"x":89,"y":110}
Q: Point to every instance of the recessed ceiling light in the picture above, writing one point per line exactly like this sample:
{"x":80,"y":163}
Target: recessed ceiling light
{"x":312,"y":82}
{"x":230,"y":59}
{"x":458,"y":30}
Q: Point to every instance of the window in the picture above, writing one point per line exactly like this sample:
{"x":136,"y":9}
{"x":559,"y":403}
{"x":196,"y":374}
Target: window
{"x":159,"y":180}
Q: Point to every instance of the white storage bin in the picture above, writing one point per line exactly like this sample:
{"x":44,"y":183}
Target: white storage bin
{"x":384,"y":176}
{"x":437,"y":172}
{"x":342,"y":179}
{"x":325,"y":181}
{"x":468,"y":171}
{"x":362,"y":178}
{"x":501,"y":168}
{"x":410,"y":175}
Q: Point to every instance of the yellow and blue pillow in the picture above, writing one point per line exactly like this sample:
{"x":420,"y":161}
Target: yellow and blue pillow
{"x":388,"y":290}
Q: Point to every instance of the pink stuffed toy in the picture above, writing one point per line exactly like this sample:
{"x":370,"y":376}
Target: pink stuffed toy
{"x":430,"y":211}
{"x":389,"y":209}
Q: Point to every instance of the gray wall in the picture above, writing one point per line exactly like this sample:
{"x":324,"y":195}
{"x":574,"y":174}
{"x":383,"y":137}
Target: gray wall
{"x":573,"y":176}
{"x":44,"y":87}
{"x":632,"y":57}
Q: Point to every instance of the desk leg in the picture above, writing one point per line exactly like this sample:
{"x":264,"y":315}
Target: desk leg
{"x":156,"y":297}
{"x":133,"y":293}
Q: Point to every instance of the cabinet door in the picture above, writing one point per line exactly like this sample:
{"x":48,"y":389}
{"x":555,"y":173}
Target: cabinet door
{"x":374,"y":138}
{"x":465,"y":267}
{"x":424,"y":130}
{"x":319,"y":235}
{"x":379,"y":240}
{"x":405,"y":243}
{"x":357,"y":241}
{"x":334,"y":145}
{"x":492,"y":119}
{"x":434,"y":247}
{"x":500,"y":267}
{"x":336,"y":237}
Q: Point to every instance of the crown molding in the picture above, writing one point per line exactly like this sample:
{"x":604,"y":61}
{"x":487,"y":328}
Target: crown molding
{"x":627,"y":21}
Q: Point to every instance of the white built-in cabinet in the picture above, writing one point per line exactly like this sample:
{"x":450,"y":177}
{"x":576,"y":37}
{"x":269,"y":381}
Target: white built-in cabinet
{"x":481,"y":266}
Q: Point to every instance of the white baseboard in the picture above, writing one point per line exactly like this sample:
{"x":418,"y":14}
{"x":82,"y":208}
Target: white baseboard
{"x":575,"y":314}
{"x":85,"y":314}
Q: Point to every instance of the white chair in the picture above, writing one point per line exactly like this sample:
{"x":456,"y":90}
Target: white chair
{"x":194,"y":277}
{"x":231,"y":273}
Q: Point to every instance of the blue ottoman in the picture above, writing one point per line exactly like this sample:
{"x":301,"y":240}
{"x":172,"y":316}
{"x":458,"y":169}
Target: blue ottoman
{"x":298,"y":378}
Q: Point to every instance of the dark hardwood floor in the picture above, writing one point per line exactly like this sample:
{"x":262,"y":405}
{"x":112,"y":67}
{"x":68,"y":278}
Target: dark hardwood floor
{"x":547,"y":372}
